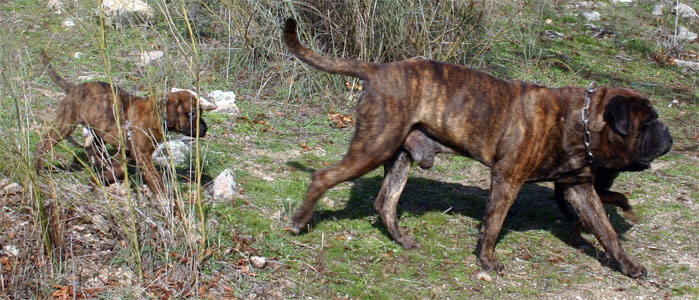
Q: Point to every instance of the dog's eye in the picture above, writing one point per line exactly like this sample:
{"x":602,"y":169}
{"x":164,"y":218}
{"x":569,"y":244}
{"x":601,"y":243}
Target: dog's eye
{"x":649,"y":121}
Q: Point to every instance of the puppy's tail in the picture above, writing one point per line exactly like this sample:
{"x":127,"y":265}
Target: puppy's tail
{"x":349,"y":67}
{"x":52,"y":73}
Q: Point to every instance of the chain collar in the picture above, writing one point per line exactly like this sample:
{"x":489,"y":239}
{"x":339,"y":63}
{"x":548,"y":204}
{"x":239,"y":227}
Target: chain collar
{"x":585,"y":116}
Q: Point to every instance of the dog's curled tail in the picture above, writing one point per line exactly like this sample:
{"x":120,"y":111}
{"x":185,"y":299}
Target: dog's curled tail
{"x":349,"y":67}
{"x":52,"y":73}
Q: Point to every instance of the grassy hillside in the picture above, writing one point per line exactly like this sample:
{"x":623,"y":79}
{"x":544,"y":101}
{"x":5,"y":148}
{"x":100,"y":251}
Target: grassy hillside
{"x":64,"y":236}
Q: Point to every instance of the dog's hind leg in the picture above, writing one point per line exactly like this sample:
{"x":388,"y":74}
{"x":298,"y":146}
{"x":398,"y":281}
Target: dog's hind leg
{"x":421,"y":149}
{"x":396,"y":173}
{"x":371,"y":146}
{"x":353,"y":165}
{"x":65,"y":123}
{"x":109,"y":169}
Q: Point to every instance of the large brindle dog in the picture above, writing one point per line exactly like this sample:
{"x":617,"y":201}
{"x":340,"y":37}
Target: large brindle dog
{"x":522,"y":131}
{"x":92,"y":104}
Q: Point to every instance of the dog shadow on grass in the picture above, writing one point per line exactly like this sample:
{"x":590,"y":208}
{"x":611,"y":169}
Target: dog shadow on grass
{"x":534,"y":209}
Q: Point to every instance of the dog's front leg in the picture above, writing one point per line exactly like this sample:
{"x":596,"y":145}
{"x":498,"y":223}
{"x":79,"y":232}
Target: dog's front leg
{"x":142,"y":152}
{"x":144,"y":161}
{"x":503,"y":192}
{"x":588,"y":205}
{"x":396,"y":173}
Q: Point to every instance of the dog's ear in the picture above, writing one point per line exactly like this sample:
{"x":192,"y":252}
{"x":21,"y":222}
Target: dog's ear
{"x":618,"y":115}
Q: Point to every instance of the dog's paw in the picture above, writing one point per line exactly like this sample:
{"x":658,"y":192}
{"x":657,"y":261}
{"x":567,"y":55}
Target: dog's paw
{"x":409,"y":242}
{"x":491,"y":264}
{"x":294,"y":228}
{"x":633,"y":269}
{"x":631,"y":215}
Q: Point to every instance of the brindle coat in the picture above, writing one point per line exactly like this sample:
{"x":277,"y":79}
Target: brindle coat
{"x":91,"y":104}
{"x":523,"y":132}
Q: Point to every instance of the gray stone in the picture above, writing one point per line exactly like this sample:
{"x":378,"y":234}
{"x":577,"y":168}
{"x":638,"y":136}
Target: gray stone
{"x":685,"y":11}
{"x":68,"y":22}
{"x":224,"y":187}
{"x":551,"y":34}
{"x":692,"y":65}
{"x":658,"y":10}
{"x":619,"y":2}
{"x":683,"y":34}
{"x":258,"y":261}
{"x":225,"y":102}
{"x":203,"y":102}
{"x":176,"y":150}
{"x":146,"y":58}
{"x":591,"y":15}
{"x":118,"y":12}
{"x":56,"y":6}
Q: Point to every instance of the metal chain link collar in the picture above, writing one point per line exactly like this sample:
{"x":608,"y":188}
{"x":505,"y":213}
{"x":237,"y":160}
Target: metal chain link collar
{"x":585,"y":116}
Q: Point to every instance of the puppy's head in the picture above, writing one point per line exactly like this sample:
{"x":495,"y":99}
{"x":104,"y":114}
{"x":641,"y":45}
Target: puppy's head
{"x":181,"y":114}
{"x":633,"y":136}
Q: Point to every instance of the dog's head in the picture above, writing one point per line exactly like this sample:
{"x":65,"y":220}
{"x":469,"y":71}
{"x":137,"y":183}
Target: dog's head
{"x":181,"y":114}
{"x":632,"y":136}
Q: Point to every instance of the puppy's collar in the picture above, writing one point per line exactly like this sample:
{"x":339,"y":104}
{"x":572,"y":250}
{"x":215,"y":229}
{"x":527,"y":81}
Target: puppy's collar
{"x":585,"y":117}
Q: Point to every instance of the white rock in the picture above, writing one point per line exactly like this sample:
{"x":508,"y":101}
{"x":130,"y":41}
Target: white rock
{"x":225,"y":102}
{"x":674,"y":102}
{"x":85,"y":77}
{"x":68,"y":22}
{"x":56,"y":6}
{"x":203,"y":102}
{"x":587,"y":4}
{"x":686,"y":64}
{"x":176,"y":150}
{"x":591,"y":15}
{"x":658,"y":10}
{"x":685,"y":11}
{"x":617,"y":2}
{"x":148,"y":57}
{"x":552,"y":34}
{"x":116,"y":12}
{"x":221,"y":97}
{"x":224,"y":186}
{"x":683,"y":34}
{"x":78,"y":55}
{"x":258,"y":261}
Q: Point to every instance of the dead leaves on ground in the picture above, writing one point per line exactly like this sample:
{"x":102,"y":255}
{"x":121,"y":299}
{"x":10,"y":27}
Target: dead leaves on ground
{"x":64,"y":292}
{"x":339,"y":120}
